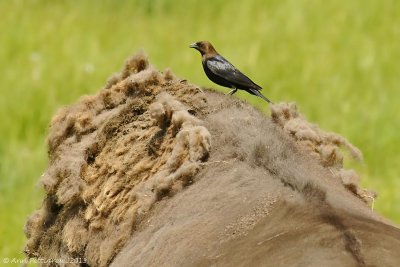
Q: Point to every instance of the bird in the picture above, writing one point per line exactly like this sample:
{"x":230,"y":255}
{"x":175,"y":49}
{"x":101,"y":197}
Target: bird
{"x":222,"y":72}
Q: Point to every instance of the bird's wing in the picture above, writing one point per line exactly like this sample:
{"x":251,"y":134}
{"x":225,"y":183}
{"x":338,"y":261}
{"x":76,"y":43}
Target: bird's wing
{"x":225,"y":70}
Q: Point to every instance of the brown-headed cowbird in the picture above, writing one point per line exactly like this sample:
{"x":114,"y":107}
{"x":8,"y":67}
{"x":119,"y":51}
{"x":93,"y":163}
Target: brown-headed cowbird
{"x":222,"y":72}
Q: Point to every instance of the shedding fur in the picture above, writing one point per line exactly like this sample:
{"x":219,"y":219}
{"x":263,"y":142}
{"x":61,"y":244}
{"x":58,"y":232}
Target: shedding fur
{"x":113,"y":155}
{"x":119,"y":158}
{"x":324,"y":146}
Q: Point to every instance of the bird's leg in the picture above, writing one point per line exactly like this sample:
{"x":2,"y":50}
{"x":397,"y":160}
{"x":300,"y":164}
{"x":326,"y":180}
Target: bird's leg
{"x":232,"y":91}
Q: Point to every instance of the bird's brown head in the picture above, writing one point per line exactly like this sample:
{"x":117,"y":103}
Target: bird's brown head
{"x":205,"y":48}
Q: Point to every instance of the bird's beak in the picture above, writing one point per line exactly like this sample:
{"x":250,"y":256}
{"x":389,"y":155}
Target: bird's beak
{"x":194,"y":45}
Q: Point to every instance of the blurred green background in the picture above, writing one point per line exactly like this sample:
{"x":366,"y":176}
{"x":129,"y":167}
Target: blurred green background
{"x":339,"y":60}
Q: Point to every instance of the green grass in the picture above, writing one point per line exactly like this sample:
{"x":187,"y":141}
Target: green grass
{"x":339,"y":60}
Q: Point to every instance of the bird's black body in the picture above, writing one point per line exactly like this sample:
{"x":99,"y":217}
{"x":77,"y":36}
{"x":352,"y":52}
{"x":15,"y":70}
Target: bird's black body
{"x":222,"y":72}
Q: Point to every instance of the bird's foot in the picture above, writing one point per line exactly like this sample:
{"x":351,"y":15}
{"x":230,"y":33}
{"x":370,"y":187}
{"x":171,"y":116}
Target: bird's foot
{"x":232,"y":91}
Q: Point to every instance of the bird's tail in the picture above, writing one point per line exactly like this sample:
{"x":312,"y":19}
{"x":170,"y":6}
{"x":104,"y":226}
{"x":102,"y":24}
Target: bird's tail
{"x":257,"y":93}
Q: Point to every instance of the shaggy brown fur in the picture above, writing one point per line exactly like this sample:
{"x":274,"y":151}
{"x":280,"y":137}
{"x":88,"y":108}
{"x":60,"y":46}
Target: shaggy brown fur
{"x":153,"y":171}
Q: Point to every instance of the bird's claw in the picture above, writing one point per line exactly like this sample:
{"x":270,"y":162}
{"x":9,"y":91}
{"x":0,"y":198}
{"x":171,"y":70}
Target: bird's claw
{"x":232,"y":91}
